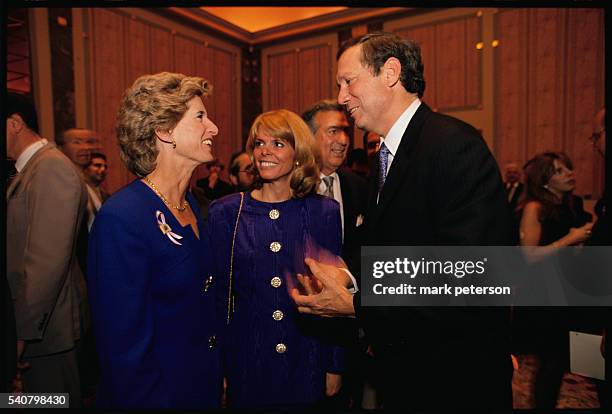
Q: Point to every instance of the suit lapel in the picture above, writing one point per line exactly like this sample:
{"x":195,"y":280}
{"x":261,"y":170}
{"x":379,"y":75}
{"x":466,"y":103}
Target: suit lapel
{"x":400,"y":165}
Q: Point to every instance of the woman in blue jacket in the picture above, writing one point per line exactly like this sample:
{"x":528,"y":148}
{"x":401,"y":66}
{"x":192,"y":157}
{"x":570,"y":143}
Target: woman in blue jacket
{"x":152,"y":302}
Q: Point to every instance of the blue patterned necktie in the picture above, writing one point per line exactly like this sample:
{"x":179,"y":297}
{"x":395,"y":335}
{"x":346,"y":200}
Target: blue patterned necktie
{"x":383,"y":156}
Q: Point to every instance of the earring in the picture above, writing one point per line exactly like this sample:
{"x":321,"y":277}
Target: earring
{"x":297,"y":163}
{"x":173,"y":144}
{"x":545,"y":186}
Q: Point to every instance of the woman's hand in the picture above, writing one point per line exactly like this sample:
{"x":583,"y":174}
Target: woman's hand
{"x":579,"y":235}
{"x":333,"y":382}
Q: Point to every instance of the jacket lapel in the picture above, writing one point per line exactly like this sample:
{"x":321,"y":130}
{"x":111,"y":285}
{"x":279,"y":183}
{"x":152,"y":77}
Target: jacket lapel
{"x":401,"y":164}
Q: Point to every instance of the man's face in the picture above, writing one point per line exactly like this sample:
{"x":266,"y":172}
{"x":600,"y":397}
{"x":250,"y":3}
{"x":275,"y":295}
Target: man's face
{"x":245,"y":175}
{"x":363,"y":93}
{"x":332,"y":138}
{"x":79,"y":145}
{"x":97,"y":170}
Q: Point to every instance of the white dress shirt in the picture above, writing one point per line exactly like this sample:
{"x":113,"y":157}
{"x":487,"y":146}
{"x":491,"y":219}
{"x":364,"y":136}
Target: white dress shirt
{"x":28,"y":153}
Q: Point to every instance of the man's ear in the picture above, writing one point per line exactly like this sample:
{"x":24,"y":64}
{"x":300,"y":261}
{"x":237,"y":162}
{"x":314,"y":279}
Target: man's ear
{"x":16,"y":123}
{"x":391,"y":71}
{"x":233,"y":179}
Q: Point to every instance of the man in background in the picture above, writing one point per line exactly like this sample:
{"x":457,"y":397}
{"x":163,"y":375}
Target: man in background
{"x":213,"y":186}
{"x":241,"y":171}
{"x":45,"y":206}
{"x":94,"y":174}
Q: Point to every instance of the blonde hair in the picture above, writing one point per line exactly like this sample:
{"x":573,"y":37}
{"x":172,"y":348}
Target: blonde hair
{"x":153,"y":102}
{"x":289,"y":127}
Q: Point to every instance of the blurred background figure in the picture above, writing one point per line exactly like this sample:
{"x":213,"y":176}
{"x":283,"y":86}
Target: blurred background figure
{"x":95,"y":174}
{"x":371,"y":142}
{"x":78,"y":144}
{"x":241,"y":173}
{"x":214,"y":187}
{"x":513,"y":184}
{"x":357,"y":162}
{"x":553,"y":217}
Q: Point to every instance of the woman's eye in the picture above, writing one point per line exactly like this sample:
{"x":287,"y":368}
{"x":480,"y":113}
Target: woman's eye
{"x":279,"y":144}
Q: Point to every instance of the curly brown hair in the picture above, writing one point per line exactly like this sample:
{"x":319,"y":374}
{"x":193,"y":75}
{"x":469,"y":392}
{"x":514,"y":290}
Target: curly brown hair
{"x":289,"y":127}
{"x":153,"y":102}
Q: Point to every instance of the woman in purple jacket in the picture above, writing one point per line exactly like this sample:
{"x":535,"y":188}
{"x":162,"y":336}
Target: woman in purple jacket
{"x":272,"y":355}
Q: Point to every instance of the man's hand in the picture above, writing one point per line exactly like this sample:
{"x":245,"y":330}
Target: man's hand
{"x":326,"y":293}
{"x":333,"y":382}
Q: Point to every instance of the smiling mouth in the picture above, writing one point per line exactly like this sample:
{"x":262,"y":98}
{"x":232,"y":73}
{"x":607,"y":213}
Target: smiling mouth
{"x":207,"y":141}
{"x":338,"y":151}
{"x":352,"y":110}
{"x":266,"y":164}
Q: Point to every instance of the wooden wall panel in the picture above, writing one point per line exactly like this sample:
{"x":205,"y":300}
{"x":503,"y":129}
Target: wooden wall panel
{"x":549,"y":83}
{"x":139,"y":56}
{"x":223,"y":114}
{"x":473,"y":61}
{"x":286,"y":81}
{"x":299,"y":74}
{"x":309,"y":76}
{"x":127,"y":43}
{"x":425,"y":36}
{"x":162,"y":59}
{"x":546,"y":71}
{"x":450,"y":71}
{"x":511,"y":87}
{"x":184,"y":55}
{"x":108,"y":57}
{"x":453,"y":65}
{"x":585,"y":86}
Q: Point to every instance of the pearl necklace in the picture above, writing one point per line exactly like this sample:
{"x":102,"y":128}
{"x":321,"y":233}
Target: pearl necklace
{"x":164,"y":199}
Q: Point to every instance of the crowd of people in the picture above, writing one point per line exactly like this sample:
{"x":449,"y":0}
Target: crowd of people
{"x":245,"y":293}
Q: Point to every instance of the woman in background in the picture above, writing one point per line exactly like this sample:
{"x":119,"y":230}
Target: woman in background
{"x":151,"y":301}
{"x":273,"y":356}
{"x":552,"y":218}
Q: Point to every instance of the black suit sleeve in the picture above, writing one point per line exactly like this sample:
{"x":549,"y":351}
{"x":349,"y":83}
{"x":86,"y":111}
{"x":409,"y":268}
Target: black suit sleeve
{"x":468,"y":193}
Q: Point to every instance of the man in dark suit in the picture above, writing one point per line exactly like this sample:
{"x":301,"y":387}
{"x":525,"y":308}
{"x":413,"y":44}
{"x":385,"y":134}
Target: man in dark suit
{"x":513,"y":184}
{"x":435,"y":183}
{"x":214,"y":187}
{"x":328,"y":123}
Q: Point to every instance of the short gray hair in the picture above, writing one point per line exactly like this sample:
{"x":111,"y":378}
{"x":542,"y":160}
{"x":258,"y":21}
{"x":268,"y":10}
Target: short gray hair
{"x":325,"y":105}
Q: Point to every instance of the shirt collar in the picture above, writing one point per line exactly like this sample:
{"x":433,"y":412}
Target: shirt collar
{"x":394,"y":137}
{"x":334,"y":174}
{"x":28,"y":153}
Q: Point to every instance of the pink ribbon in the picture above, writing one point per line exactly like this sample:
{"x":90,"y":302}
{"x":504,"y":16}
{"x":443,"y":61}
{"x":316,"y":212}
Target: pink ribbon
{"x":165,"y":228}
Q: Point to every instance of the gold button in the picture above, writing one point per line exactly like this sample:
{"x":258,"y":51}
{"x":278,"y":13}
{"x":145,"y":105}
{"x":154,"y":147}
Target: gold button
{"x":276,"y":281}
{"x":281,"y":348}
{"x":275,"y":247}
{"x":277,"y":315}
{"x":274,"y":214}
{"x":207,"y":283}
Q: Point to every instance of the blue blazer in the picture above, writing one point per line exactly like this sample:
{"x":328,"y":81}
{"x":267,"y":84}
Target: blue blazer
{"x":152,"y":307}
{"x":273,"y":356}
